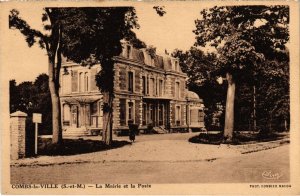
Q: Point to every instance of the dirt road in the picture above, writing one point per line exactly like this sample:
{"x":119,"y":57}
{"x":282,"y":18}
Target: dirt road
{"x":174,"y":163}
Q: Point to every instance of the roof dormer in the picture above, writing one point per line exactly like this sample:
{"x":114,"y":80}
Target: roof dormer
{"x":175,"y":64}
{"x":127,"y":50}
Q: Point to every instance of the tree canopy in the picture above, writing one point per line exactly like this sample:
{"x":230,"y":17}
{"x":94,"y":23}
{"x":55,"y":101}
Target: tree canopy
{"x":88,"y":36}
{"x":251,"y":45}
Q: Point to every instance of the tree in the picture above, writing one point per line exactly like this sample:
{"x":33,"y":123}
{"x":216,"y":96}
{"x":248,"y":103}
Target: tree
{"x":14,"y":96}
{"x":87,"y":36}
{"x":245,"y":36}
{"x":52,"y":44}
{"x":202,"y":69}
{"x":31,"y":97}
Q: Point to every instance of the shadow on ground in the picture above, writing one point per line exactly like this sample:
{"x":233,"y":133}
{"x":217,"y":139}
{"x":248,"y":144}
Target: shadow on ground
{"x":238,"y":139}
{"x":75,"y":146}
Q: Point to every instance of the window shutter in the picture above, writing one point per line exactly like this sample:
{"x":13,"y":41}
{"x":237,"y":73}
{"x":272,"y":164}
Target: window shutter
{"x":122,"y":112}
{"x":75,"y":81}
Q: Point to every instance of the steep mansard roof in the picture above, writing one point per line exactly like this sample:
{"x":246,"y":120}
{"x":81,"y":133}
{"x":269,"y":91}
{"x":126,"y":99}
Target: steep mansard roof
{"x":165,"y":62}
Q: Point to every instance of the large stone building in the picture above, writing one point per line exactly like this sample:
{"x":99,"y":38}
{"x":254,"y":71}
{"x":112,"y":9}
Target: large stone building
{"x":150,"y":91}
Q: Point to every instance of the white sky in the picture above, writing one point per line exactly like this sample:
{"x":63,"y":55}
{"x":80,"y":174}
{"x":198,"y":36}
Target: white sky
{"x":173,"y":30}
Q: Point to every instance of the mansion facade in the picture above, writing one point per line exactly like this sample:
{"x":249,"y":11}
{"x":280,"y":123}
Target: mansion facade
{"x":149,"y":90}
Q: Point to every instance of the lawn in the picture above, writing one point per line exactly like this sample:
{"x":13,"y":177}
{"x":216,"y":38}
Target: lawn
{"x":75,"y":146}
{"x":243,"y":137}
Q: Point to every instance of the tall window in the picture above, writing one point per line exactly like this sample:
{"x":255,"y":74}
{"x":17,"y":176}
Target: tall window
{"x":81,"y":82}
{"x":177,"y":89}
{"x":151,"y":86}
{"x":122,"y":112}
{"x":130,"y":81}
{"x":86,"y":85}
{"x":160,"y":88}
{"x":128,"y":51}
{"x":177,"y":115}
{"x":176,"y":65}
{"x":200,"y":116}
{"x":144,"y":85}
{"x":130,"y":111}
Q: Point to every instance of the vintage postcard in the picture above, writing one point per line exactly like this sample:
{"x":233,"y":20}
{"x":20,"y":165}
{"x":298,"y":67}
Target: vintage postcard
{"x":152,"y":97}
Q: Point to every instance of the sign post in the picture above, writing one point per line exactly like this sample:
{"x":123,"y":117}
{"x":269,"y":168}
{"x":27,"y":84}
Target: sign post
{"x":36,"y":118}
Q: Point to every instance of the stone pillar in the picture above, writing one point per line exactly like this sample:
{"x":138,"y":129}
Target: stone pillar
{"x":17,"y":135}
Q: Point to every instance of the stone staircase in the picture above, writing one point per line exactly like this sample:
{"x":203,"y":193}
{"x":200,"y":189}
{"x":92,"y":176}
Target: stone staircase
{"x":159,"y":130}
{"x":73,"y":132}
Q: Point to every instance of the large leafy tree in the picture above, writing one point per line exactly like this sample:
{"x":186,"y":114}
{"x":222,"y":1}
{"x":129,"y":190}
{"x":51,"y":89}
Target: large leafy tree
{"x":33,"y":97}
{"x":84,"y":35}
{"x":202,"y":69}
{"x":245,"y":37}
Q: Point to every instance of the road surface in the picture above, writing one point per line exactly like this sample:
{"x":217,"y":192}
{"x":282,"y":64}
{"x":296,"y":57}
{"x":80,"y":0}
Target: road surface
{"x":270,"y":165}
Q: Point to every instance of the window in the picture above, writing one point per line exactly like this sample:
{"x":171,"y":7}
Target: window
{"x":130,"y":81}
{"x":151,"y":87}
{"x":200,"y":116}
{"x":144,"y":85}
{"x":81,"y":82}
{"x":94,"y":114}
{"x":86,"y":86}
{"x":152,"y":114}
{"x":177,"y":115}
{"x":130,"y":111}
{"x":176,"y":65}
{"x":177,"y":89}
{"x":160,"y":88}
{"x":122,"y":112}
{"x":94,"y":108}
{"x":128,"y":51}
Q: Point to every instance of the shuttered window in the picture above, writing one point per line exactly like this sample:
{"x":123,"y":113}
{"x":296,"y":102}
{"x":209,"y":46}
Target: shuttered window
{"x":122,"y":112}
{"x":130,"y":81}
{"x":75,"y":81}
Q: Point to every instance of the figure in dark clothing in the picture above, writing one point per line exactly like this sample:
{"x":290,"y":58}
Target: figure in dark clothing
{"x":131,"y":135}
{"x":133,"y":128}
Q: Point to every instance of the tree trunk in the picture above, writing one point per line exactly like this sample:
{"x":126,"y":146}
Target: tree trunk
{"x":107,"y":118}
{"x":229,"y":113}
{"x":56,"y":112}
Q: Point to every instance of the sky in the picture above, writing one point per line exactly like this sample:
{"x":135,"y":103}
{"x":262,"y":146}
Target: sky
{"x":173,"y":30}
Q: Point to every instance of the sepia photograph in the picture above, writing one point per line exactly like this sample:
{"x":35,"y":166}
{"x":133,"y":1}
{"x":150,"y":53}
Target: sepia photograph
{"x":124,"y":98}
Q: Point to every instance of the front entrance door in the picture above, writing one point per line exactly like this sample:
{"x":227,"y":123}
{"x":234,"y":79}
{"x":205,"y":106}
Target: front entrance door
{"x":155,"y":113}
{"x":152,"y":114}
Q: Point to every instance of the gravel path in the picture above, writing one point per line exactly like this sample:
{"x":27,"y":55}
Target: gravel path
{"x":154,"y":148}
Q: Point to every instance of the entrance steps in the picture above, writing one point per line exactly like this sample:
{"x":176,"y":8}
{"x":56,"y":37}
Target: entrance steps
{"x":159,"y":130}
{"x":72,"y":131}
